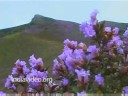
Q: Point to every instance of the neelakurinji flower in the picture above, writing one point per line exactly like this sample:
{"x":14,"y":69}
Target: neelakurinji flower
{"x":70,"y":44}
{"x":125,"y":39}
{"x":125,"y":89}
{"x":2,"y":93}
{"x":93,"y":52}
{"x":76,"y":60}
{"x":71,"y":63}
{"x":99,"y":79}
{"x":83,"y":77}
{"x":58,"y":68}
{"x":120,"y":50}
{"x":87,"y":28}
{"x":93,"y":15}
{"x":125,"y":34}
{"x":38,"y":76}
{"x":20,"y":68}
{"x":67,"y":52}
{"x":9,"y":83}
{"x":116,"y":41}
{"x":115,"y":31}
{"x":65,"y":81}
{"x":36,"y":63}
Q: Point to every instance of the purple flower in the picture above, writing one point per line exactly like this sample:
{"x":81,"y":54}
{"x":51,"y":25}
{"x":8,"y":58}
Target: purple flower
{"x":79,"y":56}
{"x":74,"y":60}
{"x":125,"y":89}
{"x":120,"y":50}
{"x":87,"y":30}
{"x":20,"y":68}
{"x":87,"y":27}
{"x":58,"y":68}
{"x":69,"y":62}
{"x":116,"y":30}
{"x":70,"y":44}
{"x":99,"y":79}
{"x":9,"y":84}
{"x":108,"y":29}
{"x":115,"y":42}
{"x":93,"y":15}
{"x":67,"y":52}
{"x":125,"y":40}
{"x":93,"y":51}
{"x":38,"y":77}
{"x":65,"y":81}
{"x":83,"y":76}
{"x":126,"y":33}
{"x":36,"y":63}
{"x":2,"y":93}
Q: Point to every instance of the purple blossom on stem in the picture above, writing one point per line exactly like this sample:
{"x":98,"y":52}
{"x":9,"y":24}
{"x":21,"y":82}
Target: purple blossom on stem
{"x":38,"y":76}
{"x":2,"y":93}
{"x":126,"y":33}
{"x":120,"y":50}
{"x":93,"y":52}
{"x":99,"y":79}
{"x":87,"y":30}
{"x":75,"y":60}
{"x":36,"y":63}
{"x":70,"y":44}
{"x":20,"y":68}
{"x":9,"y":84}
{"x":125,"y":89}
{"x":70,"y":64}
{"x":116,"y":30}
{"x":83,"y":76}
{"x":65,"y":81}
{"x":125,"y":39}
{"x":115,"y":42}
{"x":67,"y":52}
{"x":93,"y":15}
{"x":58,"y":68}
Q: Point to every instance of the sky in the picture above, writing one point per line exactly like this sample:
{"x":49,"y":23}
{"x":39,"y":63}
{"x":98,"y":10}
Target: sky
{"x":18,"y":12}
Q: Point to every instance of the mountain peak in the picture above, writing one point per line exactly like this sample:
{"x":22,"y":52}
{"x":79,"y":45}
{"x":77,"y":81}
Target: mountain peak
{"x":41,"y":20}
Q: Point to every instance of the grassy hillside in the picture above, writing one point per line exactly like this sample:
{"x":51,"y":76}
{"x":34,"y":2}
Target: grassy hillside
{"x":22,"y":46}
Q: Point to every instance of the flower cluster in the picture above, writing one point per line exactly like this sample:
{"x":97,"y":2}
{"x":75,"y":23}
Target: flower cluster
{"x":20,"y":70}
{"x":87,"y":27}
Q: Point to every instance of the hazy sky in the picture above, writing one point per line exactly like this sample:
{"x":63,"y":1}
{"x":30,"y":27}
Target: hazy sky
{"x":18,"y":12}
